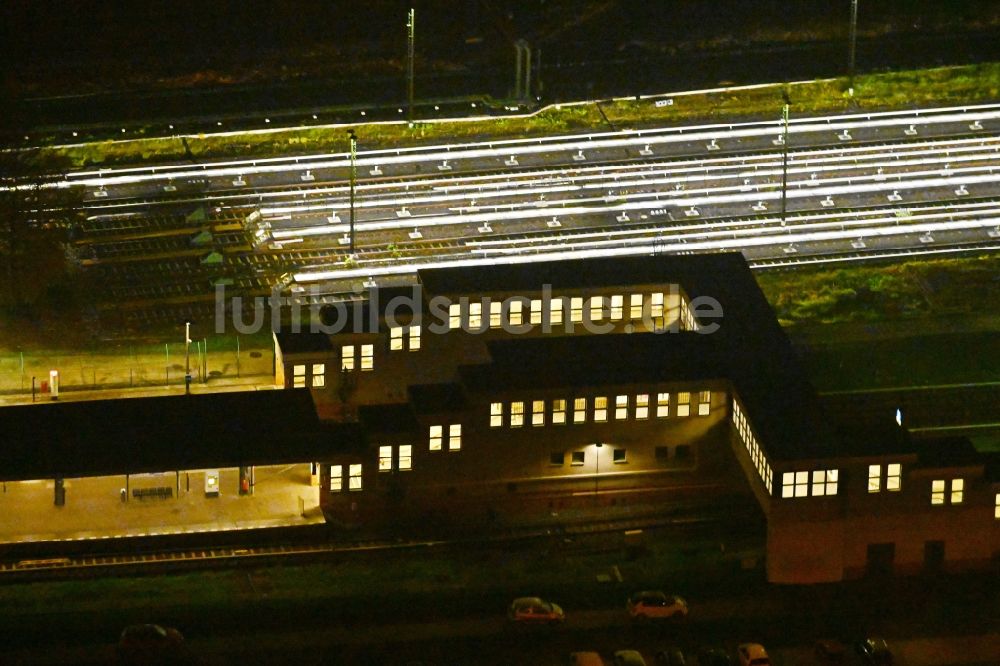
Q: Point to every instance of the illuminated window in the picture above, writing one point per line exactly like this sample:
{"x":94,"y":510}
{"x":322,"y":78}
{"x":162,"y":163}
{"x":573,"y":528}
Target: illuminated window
{"x":704,"y":402}
{"x":454,"y":316}
{"x":367,"y":357}
{"x":683,"y":404}
{"x":874,"y":478}
{"x":396,"y":338}
{"x":475,"y":316}
{"x":996,"y":510}
{"x":496,"y":314}
{"x":656,"y":305}
{"x":596,"y":308}
{"x":558,"y":411}
{"x":824,"y":482}
{"x":535,"y":317}
{"x":617,"y":305}
{"x":662,"y":405}
{"x":347,"y":357}
{"x":577,"y":458}
{"x":319,"y":375}
{"x":579,"y":410}
{"x":385,"y":458}
{"x":537,"y":412}
{"x":516,"y":313}
{"x":354,"y":478}
{"x":575,"y":309}
{"x":435,"y":437}
{"x":496,"y":414}
{"x":642,"y":406}
{"x":937,"y":491}
{"x":621,"y":407}
{"x":600,"y":409}
{"x":414,"y":338}
{"x":556,"y":311}
{"x":957,"y":489}
{"x":455,"y":437}
{"x":299,"y":376}
{"x":893,"y":477}
{"x":405,"y":457}
{"x":795,"y":484}
{"x":516,"y":414}
{"x":336,"y":478}
{"x":635,"y":306}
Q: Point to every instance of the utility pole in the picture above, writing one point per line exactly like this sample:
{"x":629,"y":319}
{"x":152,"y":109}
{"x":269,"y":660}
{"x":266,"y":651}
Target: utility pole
{"x":850,"y":57}
{"x":354,"y":178}
{"x":784,"y":159}
{"x":410,"y":27}
{"x":187,"y":358}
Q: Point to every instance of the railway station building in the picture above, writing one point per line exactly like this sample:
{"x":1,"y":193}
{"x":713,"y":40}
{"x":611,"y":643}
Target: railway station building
{"x":490,"y":396}
{"x":481,"y":398}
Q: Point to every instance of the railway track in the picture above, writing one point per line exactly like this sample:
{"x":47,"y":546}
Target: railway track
{"x":228,"y":555}
{"x":500,"y":201}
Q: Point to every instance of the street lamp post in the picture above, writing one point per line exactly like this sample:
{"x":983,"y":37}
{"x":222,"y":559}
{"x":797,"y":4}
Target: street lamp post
{"x":411,"y":21}
{"x":597,"y":466}
{"x":850,"y":55}
{"x":784,"y":160}
{"x":187,"y":358}
{"x":354,"y":178}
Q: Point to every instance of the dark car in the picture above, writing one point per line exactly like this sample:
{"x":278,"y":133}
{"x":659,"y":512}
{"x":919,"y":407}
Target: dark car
{"x":714,"y":657}
{"x":152,"y":644}
{"x":874,"y":651}
{"x":670,"y":657}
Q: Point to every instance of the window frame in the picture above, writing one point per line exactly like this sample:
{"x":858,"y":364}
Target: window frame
{"x":336,"y":478}
{"x":355,"y":474}
{"x":435,"y":437}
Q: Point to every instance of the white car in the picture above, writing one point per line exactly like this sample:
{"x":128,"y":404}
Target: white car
{"x":656,"y":605}
{"x":533,"y":610}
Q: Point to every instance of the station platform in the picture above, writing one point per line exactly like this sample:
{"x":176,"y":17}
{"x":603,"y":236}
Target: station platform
{"x":172,"y":502}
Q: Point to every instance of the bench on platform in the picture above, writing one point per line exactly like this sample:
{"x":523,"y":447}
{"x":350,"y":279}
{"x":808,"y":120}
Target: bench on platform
{"x":161,"y":492}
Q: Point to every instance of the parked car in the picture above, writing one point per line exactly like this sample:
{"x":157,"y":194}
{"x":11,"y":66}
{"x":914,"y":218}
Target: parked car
{"x":628,"y":658}
{"x":533,"y":610}
{"x":752,"y":654}
{"x":829,"y":650}
{"x":653,"y":604}
{"x":151,"y":644}
{"x":670,"y":657}
{"x":714,"y":656}
{"x":874,"y":651}
{"x":585,"y":659}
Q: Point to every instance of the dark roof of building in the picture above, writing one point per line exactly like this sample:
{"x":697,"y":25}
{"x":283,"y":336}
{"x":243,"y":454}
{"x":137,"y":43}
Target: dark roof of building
{"x":578,"y":273}
{"x":364,"y":316}
{"x":939,"y":452}
{"x":877,"y":434}
{"x":437,"y":398}
{"x":595,"y":360}
{"x":305,"y":342}
{"x":388,"y":419}
{"x":134,"y":435}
